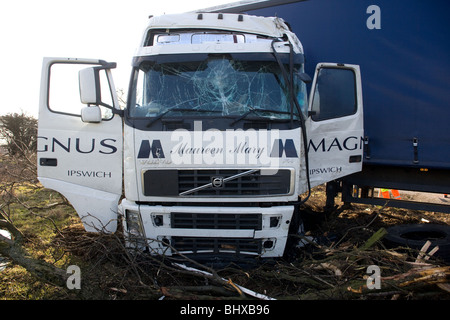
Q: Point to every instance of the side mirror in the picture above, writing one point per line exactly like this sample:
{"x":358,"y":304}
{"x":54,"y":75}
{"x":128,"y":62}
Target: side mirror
{"x":91,"y":114}
{"x":89,"y":83}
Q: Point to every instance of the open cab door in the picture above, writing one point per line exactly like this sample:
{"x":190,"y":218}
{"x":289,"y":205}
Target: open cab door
{"x":80,"y":138}
{"x":335,"y":123}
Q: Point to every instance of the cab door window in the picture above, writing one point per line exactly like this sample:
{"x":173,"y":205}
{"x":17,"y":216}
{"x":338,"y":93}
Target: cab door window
{"x":64,"y":92}
{"x":334,"y":94}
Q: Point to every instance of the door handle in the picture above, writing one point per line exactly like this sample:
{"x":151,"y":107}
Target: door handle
{"x":48,"y":162}
{"x":354,"y":159}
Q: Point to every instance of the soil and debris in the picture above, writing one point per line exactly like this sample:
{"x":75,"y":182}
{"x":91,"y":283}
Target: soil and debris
{"x":332,"y":263}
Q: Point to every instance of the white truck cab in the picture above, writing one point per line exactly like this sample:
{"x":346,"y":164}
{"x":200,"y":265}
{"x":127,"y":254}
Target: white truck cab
{"x":216,"y":144}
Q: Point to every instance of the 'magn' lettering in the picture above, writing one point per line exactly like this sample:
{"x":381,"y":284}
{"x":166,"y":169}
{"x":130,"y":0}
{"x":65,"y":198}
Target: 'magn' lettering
{"x":336,"y":144}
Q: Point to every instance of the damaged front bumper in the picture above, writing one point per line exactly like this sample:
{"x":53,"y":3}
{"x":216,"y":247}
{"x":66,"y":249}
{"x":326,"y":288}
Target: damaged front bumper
{"x":207,"y":230}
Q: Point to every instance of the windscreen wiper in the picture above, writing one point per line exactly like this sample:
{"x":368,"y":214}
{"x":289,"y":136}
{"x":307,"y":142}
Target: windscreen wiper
{"x":161,"y":115}
{"x":253,"y":110}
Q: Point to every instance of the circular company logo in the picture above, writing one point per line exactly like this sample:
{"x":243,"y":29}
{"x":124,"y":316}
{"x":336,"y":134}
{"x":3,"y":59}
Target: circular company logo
{"x":217,"y":182}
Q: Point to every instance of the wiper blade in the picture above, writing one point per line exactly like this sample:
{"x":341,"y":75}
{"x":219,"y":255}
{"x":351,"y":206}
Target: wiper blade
{"x":253,"y":110}
{"x":158,"y":117}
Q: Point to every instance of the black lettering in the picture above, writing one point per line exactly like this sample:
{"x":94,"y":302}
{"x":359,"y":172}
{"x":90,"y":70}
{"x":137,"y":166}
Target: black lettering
{"x":322,"y":143}
{"x":81,"y":145}
{"x":89,"y":174}
{"x":104,"y":144}
{"x":144,"y":150}
{"x":335,"y":143}
{"x":288,"y":148}
{"x":77,"y":146}
{"x":45,"y":146}
{"x":155,"y":148}
{"x":353,"y":147}
{"x":325,"y":170}
{"x":65,"y":147}
{"x":349,"y":143}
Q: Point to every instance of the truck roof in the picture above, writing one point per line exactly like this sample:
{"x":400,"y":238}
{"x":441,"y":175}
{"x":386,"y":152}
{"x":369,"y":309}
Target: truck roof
{"x":264,"y":27}
{"x":246,"y":5}
{"x":267,"y":26}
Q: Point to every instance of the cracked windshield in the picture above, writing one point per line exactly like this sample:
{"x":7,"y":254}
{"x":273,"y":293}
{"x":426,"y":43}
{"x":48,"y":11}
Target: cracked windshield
{"x":214,"y":86}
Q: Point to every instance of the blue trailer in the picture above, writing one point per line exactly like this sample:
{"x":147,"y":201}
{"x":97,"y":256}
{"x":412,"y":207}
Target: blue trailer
{"x":403,"y":49}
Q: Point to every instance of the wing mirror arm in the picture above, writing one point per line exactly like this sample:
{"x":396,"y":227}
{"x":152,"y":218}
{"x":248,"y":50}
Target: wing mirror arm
{"x":304,"y":77}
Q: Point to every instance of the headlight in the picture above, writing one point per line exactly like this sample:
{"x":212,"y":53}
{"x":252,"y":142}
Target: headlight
{"x":135,"y":230}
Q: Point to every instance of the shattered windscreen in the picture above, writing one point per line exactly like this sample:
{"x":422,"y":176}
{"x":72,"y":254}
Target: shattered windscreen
{"x":213,"y":85}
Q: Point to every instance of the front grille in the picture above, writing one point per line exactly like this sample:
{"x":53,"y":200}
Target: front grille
{"x":216,"y":245}
{"x":188,"y":183}
{"x":253,"y":184}
{"x":215,"y":221}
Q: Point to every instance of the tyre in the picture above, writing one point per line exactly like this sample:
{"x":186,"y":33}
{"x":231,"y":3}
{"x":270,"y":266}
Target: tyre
{"x":414,"y":236}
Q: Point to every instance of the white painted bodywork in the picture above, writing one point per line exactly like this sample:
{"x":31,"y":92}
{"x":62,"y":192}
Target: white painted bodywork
{"x":92,"y":182}
{"x":336,"y":140}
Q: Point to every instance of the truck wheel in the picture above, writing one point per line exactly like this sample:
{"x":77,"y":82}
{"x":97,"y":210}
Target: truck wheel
{"x":414,"y":236}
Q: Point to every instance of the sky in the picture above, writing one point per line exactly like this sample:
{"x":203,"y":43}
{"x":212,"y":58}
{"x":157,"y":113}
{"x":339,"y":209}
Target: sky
{"x":99,"y":29}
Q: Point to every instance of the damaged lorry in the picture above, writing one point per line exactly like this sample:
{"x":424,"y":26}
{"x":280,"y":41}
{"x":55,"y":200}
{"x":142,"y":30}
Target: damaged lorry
{"x":211,"y":156}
